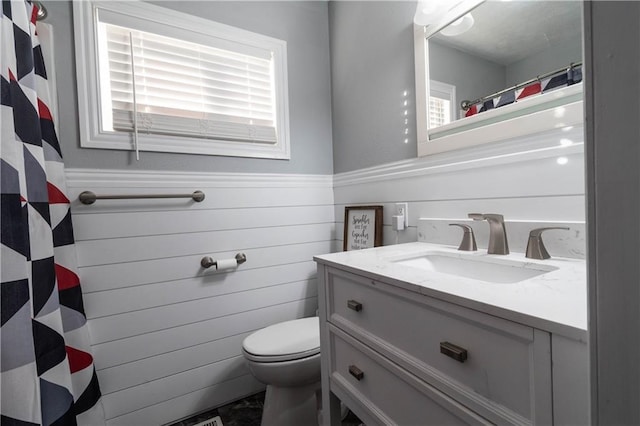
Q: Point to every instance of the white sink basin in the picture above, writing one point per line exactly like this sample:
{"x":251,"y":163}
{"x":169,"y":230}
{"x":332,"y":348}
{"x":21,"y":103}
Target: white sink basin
{"x":493,"y":270}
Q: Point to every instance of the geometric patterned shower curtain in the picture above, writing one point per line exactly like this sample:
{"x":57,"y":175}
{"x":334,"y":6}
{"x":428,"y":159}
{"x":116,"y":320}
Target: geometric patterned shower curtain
{"x":47,"y":374}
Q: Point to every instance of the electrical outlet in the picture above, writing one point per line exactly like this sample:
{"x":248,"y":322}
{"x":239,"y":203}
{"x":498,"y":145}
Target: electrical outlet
{"x":402,"y":209}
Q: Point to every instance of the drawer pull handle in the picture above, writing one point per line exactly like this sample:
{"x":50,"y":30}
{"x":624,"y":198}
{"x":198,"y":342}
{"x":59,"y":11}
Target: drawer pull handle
{"x":453,"y":351}
{"x":355,"y":305}
{"x":356,"y":372}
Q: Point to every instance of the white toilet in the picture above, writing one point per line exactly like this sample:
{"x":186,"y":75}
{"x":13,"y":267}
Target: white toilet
{"x":286,"y":357}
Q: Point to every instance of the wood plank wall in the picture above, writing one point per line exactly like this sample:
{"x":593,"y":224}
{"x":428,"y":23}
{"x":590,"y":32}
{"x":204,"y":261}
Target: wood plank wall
{"x":166,"y":333}
{"x":530,"y":185}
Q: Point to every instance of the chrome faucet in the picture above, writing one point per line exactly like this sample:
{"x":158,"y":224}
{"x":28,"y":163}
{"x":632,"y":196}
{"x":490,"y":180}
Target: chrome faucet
{"x":497,"y":233}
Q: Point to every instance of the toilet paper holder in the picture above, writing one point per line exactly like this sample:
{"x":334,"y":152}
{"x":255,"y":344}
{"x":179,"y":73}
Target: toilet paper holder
{"x":208,"y":262}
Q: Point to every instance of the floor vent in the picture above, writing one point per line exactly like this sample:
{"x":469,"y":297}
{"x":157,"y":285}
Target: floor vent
{"x":213,"y":421}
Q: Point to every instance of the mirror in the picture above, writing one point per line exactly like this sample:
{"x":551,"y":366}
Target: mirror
{"x":504,"y":43}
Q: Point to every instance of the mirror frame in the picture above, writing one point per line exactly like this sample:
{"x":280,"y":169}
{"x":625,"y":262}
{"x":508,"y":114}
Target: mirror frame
{"x":567,"y":102}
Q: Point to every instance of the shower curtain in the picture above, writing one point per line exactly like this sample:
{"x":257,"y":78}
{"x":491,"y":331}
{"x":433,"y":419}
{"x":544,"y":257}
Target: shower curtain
{"x":47,"y":374}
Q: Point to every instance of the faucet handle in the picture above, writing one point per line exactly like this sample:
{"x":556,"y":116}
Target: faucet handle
{"x":476,"y":216}
{"x":535,"y":246}
{"x":468,"y":242}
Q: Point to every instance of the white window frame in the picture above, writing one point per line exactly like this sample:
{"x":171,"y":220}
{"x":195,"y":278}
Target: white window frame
{"x":193,"y":29}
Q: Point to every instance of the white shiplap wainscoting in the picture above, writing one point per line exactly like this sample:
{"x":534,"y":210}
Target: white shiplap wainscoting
{"x":166,"y":333}
{"x":525,"y":184}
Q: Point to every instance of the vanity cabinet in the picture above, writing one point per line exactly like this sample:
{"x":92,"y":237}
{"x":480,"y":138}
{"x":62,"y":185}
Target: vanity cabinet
{"x":395,"y":356}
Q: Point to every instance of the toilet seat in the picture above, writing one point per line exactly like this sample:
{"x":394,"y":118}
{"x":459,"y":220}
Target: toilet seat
{"x":281,"y":358}
{"x":286,"y":341}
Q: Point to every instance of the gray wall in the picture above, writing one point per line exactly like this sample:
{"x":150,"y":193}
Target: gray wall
{"x":304,"y":25}
{"x":472,"y":75}
{"x":555,"y":57}
{"x":371,"y":67}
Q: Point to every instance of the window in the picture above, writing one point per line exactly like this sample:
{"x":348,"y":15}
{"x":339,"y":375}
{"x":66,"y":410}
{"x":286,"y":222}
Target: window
{"x":439,"y":111}
{"x":177,"y":83}
{"x":442,"y":103}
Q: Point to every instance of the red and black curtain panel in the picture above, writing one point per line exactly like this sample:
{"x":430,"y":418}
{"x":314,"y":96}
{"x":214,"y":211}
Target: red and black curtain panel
{"x":47,"y":374}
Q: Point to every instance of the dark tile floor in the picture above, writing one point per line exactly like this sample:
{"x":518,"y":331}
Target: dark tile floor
{"x":246,"y":412}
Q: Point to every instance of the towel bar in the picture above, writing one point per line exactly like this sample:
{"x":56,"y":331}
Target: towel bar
{"x":88,"y":197}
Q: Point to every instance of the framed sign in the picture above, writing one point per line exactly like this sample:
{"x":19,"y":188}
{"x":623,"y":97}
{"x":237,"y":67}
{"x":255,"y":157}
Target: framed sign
{"x":362,"y":227}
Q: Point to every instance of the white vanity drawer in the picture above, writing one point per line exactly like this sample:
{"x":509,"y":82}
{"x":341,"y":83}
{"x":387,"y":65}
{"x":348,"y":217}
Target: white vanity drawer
{"x":389,"y":394}
{"x":508,"y":366}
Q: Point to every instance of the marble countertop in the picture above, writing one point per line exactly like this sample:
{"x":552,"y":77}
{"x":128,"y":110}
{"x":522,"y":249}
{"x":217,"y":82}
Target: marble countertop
{"x":555,"y":301}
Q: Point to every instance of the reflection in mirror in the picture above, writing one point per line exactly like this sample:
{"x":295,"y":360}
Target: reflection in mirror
{"x":500,"y":45}
{"x":442,"y":104}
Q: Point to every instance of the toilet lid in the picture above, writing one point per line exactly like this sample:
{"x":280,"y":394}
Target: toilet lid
{"x":289,"y":339}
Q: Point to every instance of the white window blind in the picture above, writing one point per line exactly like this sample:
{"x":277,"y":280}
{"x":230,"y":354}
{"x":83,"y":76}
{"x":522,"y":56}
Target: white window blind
{"x":185,"y":88}
{"x":439,"y":112}
{"x":442,"y":101}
